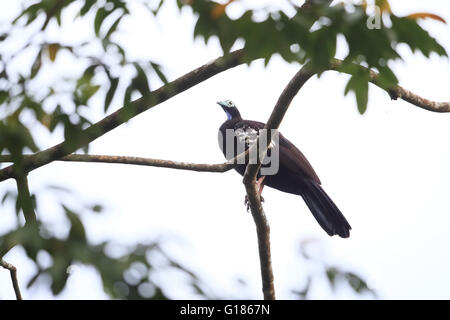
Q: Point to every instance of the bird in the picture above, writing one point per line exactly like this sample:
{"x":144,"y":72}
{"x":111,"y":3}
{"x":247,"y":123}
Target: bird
{"x":295,"y":175}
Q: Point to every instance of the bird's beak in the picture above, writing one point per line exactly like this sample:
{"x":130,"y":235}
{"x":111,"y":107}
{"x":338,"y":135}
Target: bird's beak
{"x":220,"y":103}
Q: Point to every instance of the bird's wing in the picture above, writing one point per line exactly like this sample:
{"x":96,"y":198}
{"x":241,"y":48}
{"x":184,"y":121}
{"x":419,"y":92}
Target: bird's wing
{"x":291,"y":158}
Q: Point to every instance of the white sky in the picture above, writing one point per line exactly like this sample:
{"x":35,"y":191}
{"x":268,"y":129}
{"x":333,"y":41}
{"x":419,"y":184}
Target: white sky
{"x":387,"y":170}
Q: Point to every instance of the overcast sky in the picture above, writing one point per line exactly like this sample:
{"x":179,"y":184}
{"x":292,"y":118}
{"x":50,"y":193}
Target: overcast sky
{"x":388,"y":171}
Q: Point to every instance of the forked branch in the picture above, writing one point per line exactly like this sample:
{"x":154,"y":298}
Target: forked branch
{"x":61,"y":151}
{"x":13,"y":271}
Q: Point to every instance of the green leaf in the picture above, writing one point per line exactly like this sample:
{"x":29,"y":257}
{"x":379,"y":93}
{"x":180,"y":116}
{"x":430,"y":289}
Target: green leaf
{"x":88,"y":4}
{"x":113,"y":27}
{"x":97,"y":208}
{"x":85,"y":89}
{"x":359,"y":84}
{"x":410,"y":32}
{"x":36,"y":66}
{"x":332,"y":273}
{"x":4,"y":95}
{"x":386,"y":78}
{"x":77,"y":232}
{"x":114,"y":82}
{"x":8,"y":194}
{"x":34,"y":279}
{"x":100,"y":17}
{"x":127,"y":95}
{"x":140,"y":81}
{"x":157,"y":68}
{"x":31,"y":12}
{"x":156,"y":11}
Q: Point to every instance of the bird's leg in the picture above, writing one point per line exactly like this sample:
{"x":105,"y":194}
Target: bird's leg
{"x":260,"y":187}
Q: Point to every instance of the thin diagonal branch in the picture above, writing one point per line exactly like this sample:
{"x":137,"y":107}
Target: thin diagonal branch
{"x":128,"y":111}
{"x":199,"y":167}
{"x":13,"y":271}
{"x":263,"y":234}
{"x":398,"y":91}
{"x":249,"y":180}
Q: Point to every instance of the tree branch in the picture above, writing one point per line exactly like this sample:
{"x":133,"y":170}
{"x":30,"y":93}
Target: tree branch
{"x":57,"y":152}
{"x":13,"y":271}
{"x":278,"y":112}
{"x":249,"y":180}
{"x":173,"y":88}
{"x":127,"y":112}
{"x":263,"y":235}
{"x":397,"y":91}
{"x":199,"y":167}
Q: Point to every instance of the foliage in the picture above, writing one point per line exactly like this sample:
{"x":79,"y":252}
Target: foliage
{"x":335,"y":275}
{"x":310,"y":34}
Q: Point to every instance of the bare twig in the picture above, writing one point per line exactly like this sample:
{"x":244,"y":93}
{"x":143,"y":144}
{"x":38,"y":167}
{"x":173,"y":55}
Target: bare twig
{"x":13,"y":271}
{"x":199,"y":167}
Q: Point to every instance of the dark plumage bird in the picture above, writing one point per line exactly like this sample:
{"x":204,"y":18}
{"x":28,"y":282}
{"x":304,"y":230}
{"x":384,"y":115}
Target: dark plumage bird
{"x":295,"y":174}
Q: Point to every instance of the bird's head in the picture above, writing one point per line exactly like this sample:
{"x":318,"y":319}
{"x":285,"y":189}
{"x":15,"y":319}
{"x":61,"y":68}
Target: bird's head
{"x":230,"y":109}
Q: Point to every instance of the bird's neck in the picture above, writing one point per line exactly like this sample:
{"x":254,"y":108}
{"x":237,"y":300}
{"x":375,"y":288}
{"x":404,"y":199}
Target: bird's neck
{"x":233,"y":116}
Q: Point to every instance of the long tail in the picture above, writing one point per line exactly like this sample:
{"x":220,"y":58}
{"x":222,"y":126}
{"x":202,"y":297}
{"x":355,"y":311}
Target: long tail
{"x":324,"y":210}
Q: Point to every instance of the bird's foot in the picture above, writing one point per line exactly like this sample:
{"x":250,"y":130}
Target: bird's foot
{"x":247,"y":203}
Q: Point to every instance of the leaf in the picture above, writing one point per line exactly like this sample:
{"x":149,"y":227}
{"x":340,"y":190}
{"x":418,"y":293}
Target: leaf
{"x":36,"y":66}
{"x":408,"y":31}
{"x":100,"y":16}
{"x":383,"y":5}
{"x":219,"y":9}
{"x":31,"y":12}
{"x":140,"y":81}
{"x":304,"y":292}
{"x":425,"y":15}
{"x":156,"y":11}
{"x":52,"y":51}
{"x":58,"y":188}
{"x":4,"y":95}
{"x":386,"y":78}
{"x":77,"y":232}
{"x":359,"y":84}
{"x":113,"y":27}
{"x":157,"y":68}
{"x":8,"y":194}
{"x":114,"y":82}
{"x":357,"y":283}
{"x":127,"y":95}
{"x":87,"y":6}
{"x":332,"y":273}
{"x":97,"y":208}
{"x":34,"y":278}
